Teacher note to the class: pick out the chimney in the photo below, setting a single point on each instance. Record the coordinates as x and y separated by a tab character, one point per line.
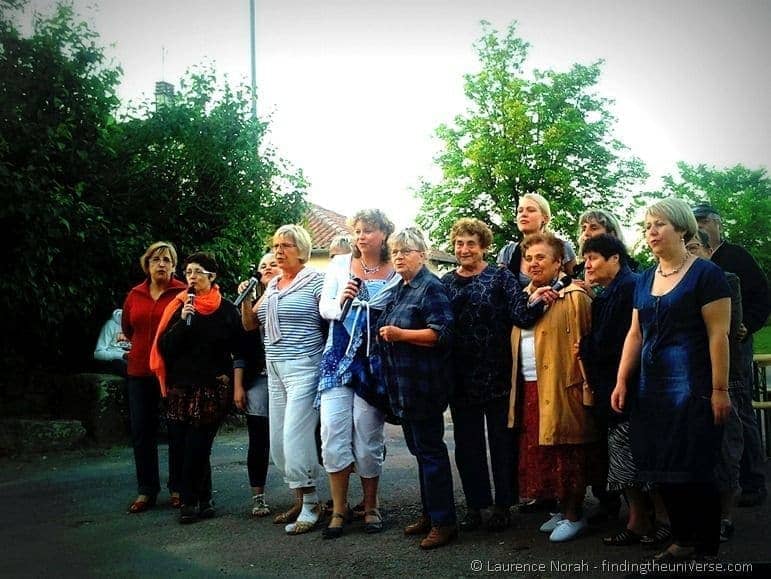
164	94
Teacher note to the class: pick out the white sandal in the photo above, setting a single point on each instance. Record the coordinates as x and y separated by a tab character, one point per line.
259	507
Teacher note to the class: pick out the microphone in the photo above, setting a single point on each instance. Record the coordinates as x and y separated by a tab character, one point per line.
191	300
560	284
253	281
347	303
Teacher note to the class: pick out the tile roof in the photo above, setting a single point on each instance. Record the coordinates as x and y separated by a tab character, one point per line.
324	224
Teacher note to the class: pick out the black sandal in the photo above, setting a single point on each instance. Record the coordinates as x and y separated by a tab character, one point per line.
622	539
374	527
337	532
660	536
499	520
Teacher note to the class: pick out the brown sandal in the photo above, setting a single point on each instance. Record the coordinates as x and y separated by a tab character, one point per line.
289	516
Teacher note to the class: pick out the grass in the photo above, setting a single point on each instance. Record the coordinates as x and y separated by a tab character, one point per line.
762	340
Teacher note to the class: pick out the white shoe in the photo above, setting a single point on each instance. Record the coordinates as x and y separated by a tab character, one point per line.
568	530
552	523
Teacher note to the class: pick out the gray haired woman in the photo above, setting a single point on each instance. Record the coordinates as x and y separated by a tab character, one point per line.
294	340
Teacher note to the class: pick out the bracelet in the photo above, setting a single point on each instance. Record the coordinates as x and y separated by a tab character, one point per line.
720	389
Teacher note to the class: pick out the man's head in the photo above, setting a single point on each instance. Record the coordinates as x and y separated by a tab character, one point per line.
708	219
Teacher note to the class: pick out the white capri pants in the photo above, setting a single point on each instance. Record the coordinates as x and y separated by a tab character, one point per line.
292	386
351	432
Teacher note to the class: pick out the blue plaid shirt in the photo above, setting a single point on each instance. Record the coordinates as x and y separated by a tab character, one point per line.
418	379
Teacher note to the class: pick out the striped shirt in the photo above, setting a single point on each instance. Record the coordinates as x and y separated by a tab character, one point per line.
300	323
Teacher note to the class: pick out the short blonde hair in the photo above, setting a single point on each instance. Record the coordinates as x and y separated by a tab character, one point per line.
678	213
407	238
472	226
153	250
543	205
299	237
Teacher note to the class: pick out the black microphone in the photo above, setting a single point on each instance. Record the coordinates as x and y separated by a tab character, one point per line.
191	300
347	303
560	284
253	281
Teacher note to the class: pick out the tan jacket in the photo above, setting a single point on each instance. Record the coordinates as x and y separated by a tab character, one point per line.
563	418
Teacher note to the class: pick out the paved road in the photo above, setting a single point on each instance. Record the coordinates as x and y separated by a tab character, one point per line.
64	515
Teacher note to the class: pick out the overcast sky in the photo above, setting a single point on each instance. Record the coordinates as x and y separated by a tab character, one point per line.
355	88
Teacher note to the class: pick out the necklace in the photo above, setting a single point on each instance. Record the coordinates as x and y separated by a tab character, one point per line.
367	269
677	269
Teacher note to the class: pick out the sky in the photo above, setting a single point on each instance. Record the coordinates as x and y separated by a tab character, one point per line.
354	89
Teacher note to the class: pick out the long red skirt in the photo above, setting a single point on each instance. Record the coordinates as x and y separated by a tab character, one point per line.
547	472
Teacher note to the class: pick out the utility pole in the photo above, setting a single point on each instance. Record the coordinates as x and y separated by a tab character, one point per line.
254	58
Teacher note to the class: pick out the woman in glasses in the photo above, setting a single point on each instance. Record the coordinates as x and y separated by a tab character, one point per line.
288	312
193	359
142	311
416	338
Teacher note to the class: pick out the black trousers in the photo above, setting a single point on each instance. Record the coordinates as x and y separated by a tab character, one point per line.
143	397
694	511
471	453
192	449
259	449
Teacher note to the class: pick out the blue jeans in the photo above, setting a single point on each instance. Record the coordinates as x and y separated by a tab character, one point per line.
425	440
752	477
143	397
471	452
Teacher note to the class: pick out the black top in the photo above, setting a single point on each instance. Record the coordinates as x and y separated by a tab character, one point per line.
754	285
600	350
485	307
195	355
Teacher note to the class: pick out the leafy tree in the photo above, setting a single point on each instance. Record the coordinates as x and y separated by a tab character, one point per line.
549	134
741	195
197	173
83	192
56	105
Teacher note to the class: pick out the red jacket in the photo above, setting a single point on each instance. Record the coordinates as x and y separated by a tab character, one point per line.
141	315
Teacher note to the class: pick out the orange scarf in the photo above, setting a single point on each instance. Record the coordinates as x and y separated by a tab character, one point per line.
205	304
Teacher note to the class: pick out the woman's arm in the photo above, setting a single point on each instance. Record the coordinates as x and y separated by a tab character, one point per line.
333	292
717	318
425	337
630	360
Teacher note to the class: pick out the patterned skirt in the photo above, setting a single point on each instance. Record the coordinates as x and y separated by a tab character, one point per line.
622	472
199	405
547	472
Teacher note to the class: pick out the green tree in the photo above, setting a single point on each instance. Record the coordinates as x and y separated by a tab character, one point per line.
741	195
56	106
83	192
550	134
198	172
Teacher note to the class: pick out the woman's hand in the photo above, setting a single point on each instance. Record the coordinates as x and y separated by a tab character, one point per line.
350	292
239	397
544	294
391	333
188	309
242	286
721	405
618	398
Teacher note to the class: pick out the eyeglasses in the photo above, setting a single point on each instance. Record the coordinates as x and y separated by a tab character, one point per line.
283	246
192	272
404	252
160	260
693	247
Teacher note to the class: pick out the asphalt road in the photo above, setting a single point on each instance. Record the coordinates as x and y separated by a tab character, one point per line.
64	515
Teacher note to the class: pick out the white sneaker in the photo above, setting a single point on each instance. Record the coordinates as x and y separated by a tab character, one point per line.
552	523
568	530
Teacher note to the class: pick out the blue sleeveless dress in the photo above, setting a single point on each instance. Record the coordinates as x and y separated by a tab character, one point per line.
674	439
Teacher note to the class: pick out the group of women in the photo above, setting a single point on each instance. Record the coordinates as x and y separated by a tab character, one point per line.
617	380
